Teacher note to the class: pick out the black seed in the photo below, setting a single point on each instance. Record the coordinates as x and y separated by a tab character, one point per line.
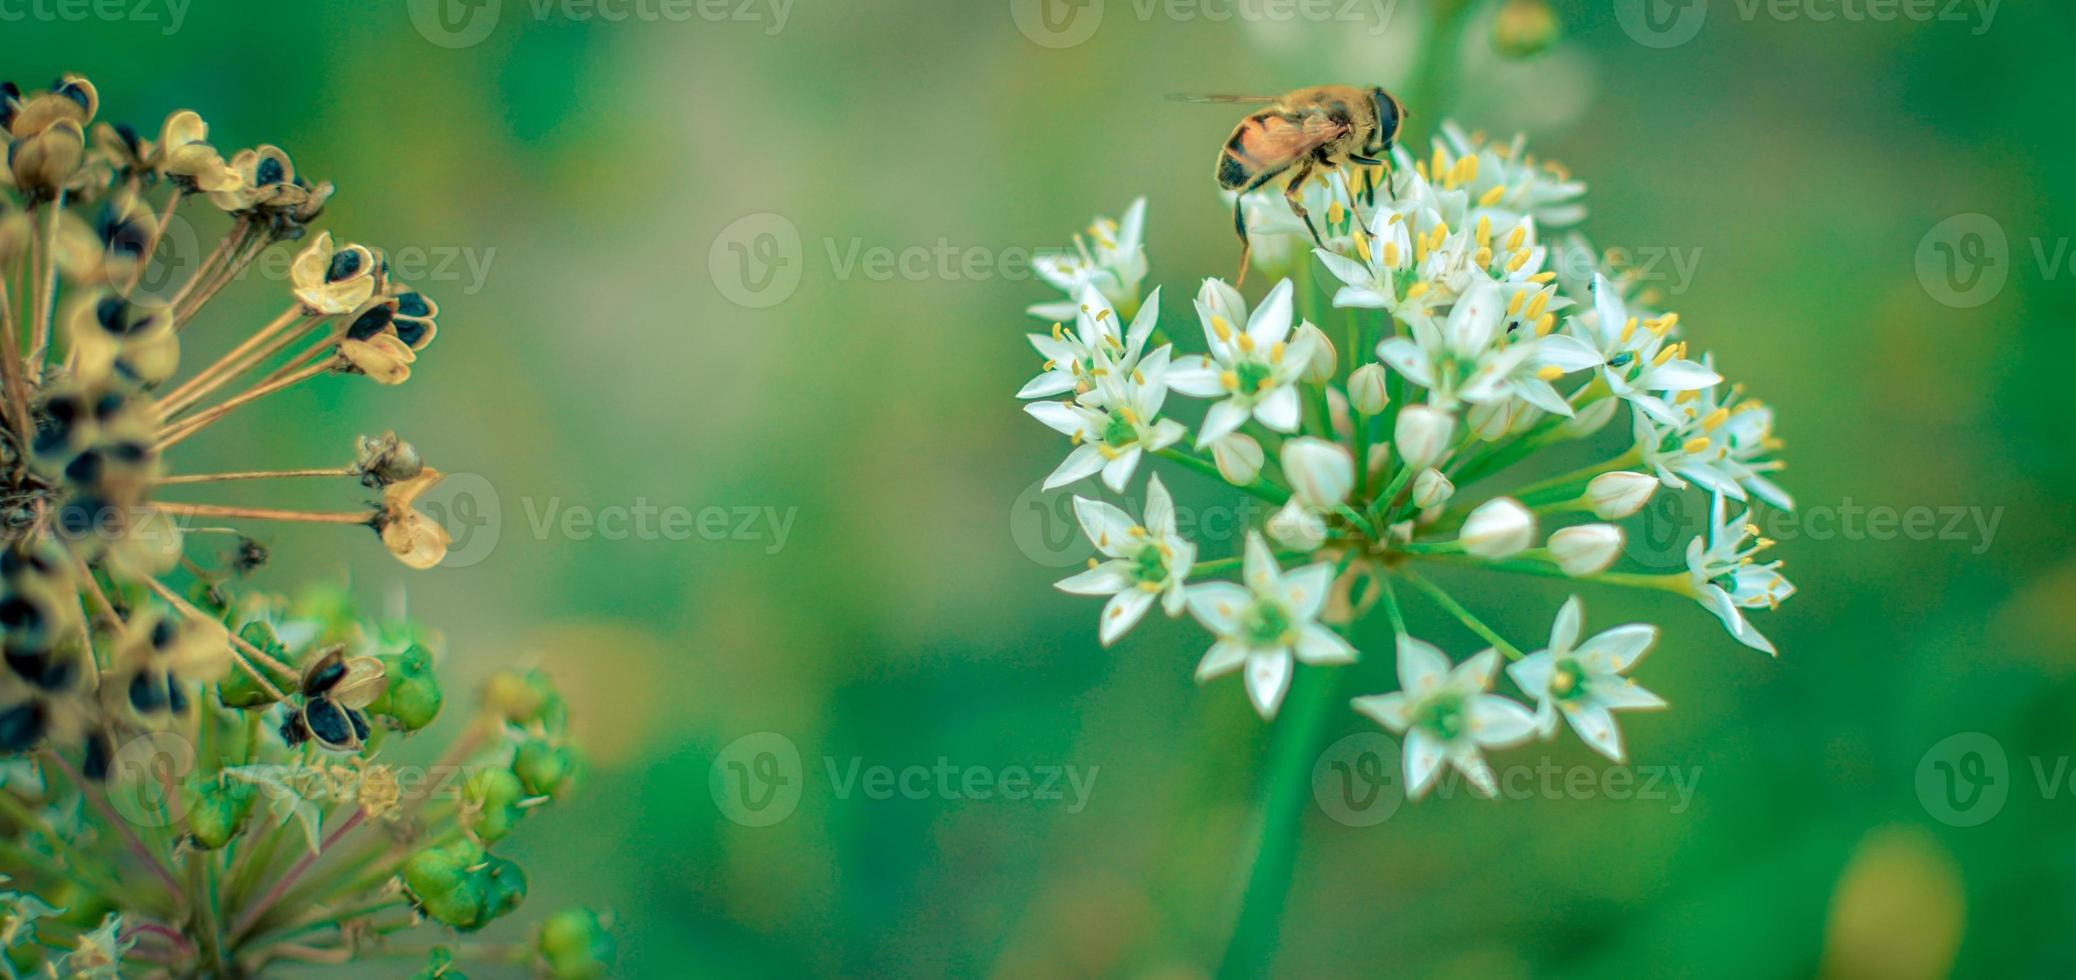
21	727
176	696
412	332
100	753
413	304
108	405
328	723
85	469
74	92
293	731
372	322
269	172
163	633
326	677
146	694
19	615
344	266
360	724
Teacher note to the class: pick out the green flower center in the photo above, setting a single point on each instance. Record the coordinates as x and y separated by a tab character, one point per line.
1267	624
1118	432
1251	374
1568	680
1149	565
1444	715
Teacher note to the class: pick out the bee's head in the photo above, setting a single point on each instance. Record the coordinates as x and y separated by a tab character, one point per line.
1390	114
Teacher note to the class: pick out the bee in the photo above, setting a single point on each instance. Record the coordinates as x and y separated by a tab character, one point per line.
1299	135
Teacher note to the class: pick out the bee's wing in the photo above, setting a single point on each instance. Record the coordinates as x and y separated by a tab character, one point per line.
1224	99
1272	141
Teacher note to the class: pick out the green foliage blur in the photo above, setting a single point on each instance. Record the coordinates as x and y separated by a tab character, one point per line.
1794	164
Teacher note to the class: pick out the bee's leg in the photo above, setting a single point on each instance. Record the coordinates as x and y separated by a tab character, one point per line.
1293	194
1240	229
1369	187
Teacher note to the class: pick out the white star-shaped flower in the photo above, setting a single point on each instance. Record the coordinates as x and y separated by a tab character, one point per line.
1728	581
1145	561
1448	715
1631	354
1584	682
1255	370
1468	358
1111	260
1114	425
1095	347
1267	623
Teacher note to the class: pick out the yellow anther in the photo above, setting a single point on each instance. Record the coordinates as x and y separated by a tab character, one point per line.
1276	353
1229	380
1492	196
1628	331
1396	217
1265	384
1545	276
1138	377
1130	417
1694	445
1092	563
1484	229
1665	356
1103	449
1336	213
1520	259
1223	329
1516	237
1136	531
1049	364
1546	324
1540	303
1148	587
1416	290
1362	247
1058	332
1715	419
1102	314
1246	343
1483	259
1391	254
1514	305
1549	372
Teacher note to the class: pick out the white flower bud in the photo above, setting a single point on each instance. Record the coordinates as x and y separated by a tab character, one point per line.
1366	389
1499	528
1239	458
1297	526
1432	489
1319	368
1424	434
1380	459
1592	418
1587	548
1321	473
1492	421
1616	495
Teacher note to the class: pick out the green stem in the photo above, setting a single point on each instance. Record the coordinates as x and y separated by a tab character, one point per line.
1456	609
1255	930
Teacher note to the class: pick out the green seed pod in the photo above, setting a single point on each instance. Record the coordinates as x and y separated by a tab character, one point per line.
217	812
504	887
575	945
444	887
490	803
237	688
543	768
526	700
412	698
439	965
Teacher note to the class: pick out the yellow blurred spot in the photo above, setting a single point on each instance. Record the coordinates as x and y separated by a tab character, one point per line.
1898	911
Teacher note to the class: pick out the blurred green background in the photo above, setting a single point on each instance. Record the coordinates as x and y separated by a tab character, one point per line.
592	168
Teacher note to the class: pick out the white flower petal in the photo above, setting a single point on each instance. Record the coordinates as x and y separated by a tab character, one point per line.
1122	612
1268	677
1109	578
1319	645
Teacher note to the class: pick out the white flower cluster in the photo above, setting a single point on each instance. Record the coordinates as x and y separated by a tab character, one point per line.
1491	347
